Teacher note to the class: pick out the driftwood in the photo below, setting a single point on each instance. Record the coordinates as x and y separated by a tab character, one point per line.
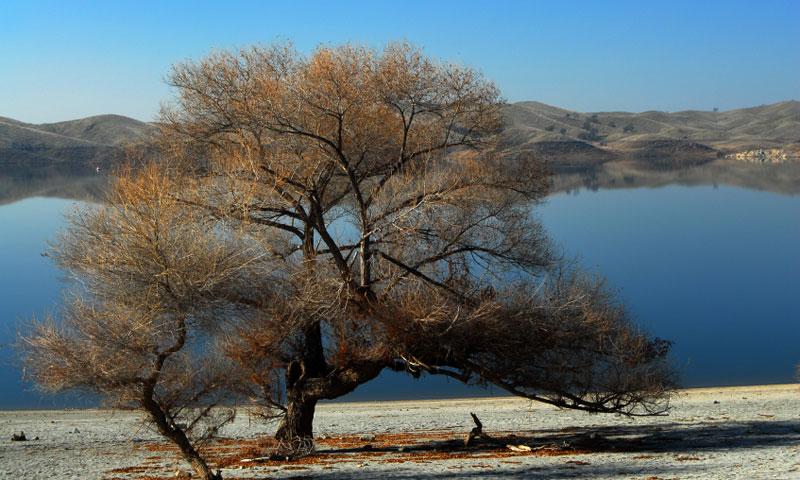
476	433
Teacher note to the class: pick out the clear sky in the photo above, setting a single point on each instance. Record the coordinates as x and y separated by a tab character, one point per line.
65	59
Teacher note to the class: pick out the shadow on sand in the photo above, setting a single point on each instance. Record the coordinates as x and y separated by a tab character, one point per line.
642	442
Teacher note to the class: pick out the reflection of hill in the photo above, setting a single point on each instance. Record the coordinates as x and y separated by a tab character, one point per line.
19	184
61	159
779	178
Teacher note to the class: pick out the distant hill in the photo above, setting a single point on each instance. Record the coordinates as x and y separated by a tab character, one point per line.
75	144
101	129
565	138
576	139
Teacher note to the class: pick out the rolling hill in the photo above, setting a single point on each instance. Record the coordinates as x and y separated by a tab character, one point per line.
569	138
75	144
566	139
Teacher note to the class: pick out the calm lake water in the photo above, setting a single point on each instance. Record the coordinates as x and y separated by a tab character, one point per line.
716	270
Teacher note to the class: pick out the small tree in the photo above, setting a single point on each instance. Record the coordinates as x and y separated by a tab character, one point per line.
155	283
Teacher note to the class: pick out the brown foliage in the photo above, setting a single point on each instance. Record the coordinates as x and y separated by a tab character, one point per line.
411	243
315	220
153	284
571	346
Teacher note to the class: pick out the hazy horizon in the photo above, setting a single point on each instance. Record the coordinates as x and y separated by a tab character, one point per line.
65	60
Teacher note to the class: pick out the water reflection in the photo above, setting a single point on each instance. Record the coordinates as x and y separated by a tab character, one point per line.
781	178
29	286
717	270
80	184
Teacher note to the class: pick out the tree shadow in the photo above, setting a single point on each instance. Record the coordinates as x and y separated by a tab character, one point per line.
558	472
674	437
678	438
684	440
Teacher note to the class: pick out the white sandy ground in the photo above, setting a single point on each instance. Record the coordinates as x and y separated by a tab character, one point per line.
713	433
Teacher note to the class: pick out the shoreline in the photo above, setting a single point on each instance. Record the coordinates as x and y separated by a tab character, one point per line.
768	387
740	432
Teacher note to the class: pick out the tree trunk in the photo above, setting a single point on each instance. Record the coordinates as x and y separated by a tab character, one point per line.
200	466
298	422
179	438
299	419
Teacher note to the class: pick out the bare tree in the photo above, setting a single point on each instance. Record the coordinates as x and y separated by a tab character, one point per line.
410	237
316	220
154	283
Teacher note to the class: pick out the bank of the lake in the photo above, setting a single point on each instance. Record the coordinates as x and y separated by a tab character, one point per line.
732	433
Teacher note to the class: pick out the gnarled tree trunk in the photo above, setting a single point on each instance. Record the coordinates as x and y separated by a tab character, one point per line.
310	379
300	401
298	422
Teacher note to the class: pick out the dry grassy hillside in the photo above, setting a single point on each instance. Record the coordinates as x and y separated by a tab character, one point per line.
83	143
101	129
564	135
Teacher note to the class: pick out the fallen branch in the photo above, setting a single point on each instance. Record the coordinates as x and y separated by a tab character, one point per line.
476	433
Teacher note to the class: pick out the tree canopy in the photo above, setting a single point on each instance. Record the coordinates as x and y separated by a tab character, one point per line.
322	218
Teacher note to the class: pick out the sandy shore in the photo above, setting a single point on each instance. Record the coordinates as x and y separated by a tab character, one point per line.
730	433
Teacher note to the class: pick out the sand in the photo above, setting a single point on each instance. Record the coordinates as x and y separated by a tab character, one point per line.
726	433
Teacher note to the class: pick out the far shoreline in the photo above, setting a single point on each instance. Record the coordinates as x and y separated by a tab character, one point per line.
703	390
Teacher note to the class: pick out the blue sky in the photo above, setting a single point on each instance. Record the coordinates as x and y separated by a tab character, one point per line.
67	59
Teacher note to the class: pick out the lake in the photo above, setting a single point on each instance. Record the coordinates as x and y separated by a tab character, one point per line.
714	269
